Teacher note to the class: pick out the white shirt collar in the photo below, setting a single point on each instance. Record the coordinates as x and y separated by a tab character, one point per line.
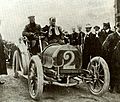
107	30
87	33
96	32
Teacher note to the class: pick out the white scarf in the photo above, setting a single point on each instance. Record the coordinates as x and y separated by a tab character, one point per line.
56	30
96	32
87	34
107	30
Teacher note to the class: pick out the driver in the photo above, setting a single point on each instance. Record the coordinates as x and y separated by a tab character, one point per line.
53	33
31	31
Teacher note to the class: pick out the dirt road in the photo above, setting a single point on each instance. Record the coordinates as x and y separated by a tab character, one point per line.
16	90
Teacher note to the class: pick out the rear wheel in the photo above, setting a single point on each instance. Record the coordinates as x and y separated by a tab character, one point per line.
99	72
35	78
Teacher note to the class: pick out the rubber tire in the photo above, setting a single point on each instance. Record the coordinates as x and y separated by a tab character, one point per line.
15	64
106	77
21	62
39	68
24	64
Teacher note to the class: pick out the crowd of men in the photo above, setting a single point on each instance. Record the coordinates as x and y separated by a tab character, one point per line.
102	42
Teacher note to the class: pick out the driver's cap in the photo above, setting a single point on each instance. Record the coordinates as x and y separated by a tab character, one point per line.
30	17
53	19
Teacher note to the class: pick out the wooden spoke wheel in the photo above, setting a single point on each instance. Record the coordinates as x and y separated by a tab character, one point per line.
35	78
99	72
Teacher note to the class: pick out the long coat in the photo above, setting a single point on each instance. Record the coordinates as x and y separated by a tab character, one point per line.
92	48
109	45
111	49
115	64
36	29
103	35
33	28
3	69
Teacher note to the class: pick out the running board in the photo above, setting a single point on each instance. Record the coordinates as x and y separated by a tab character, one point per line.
21	74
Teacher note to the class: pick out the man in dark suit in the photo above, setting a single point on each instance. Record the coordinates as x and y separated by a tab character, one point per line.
74	38
52	32
105	32
92	46
81	35
97	30
66	37
31	31
109	46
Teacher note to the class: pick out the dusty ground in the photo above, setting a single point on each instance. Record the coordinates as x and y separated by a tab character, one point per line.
16	90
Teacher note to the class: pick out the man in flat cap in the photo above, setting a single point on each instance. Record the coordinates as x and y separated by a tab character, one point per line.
31	31
53	33
92	46
110	46
105	32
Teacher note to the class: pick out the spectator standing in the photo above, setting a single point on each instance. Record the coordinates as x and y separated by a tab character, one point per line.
105	32
3	69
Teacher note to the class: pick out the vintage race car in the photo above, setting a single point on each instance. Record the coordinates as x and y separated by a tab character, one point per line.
59	65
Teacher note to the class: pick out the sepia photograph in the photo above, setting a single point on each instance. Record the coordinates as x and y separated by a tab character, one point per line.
59	51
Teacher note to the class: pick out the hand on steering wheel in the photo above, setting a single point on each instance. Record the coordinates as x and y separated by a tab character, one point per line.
31	33
35	36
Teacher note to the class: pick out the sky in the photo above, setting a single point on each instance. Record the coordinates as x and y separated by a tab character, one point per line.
69	13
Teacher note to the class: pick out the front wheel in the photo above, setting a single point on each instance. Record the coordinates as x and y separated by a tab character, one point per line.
16	64
35	78
99	73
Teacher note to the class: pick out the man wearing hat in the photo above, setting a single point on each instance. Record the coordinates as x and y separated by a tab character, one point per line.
97	28
53	33
66	37
92	46
88	28
109	47
74	37
105	32
31	31
3	68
